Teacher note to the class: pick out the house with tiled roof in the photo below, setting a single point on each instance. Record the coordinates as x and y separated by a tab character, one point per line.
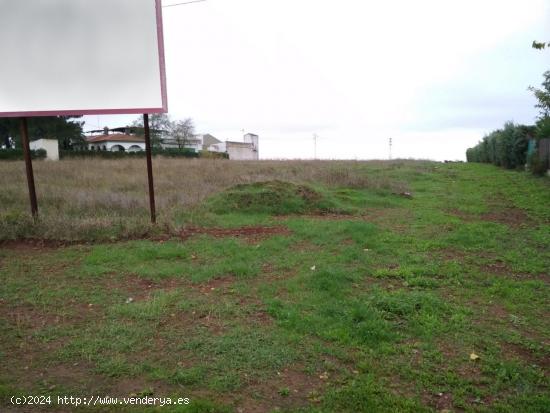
130	139
115	142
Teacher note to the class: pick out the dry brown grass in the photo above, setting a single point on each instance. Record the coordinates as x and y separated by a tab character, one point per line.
95	198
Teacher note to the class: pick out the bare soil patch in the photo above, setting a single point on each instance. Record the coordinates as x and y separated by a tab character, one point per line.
31	318
214	284
327	216
289	388
527	355
497	267
251	233
136	387
439	401
511	216
449	254
26	244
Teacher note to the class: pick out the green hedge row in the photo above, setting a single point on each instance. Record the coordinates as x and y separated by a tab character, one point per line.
174	153
171	153
17	154
505	147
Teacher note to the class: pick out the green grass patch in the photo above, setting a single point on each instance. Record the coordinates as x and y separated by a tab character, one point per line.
272	197
371	301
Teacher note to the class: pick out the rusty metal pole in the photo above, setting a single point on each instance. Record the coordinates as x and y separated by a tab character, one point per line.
149	167
28	164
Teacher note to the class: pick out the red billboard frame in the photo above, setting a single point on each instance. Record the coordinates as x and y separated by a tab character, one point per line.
115	111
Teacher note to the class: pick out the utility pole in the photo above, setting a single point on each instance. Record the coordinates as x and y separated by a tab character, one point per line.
147	134
28	165
314	146
390	148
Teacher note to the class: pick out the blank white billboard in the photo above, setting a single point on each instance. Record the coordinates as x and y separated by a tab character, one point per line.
61	57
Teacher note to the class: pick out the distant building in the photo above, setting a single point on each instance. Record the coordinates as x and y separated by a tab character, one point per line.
239	151
130	139
51	146
207	140
167	142
115	142
217	147
197	143
253	140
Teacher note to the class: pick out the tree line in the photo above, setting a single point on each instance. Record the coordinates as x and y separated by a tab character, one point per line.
161	126
512	146
68	130
506	147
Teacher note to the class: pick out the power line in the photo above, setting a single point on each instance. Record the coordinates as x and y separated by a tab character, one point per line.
185	2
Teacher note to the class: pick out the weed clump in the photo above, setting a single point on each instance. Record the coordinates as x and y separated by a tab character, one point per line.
271	197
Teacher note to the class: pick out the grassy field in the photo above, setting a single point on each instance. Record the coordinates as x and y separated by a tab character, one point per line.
94	199
278	286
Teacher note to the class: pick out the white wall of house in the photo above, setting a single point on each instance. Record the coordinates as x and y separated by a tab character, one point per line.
51	147
217	147
193	144
241	152
116	146
252	139
136	147
207	140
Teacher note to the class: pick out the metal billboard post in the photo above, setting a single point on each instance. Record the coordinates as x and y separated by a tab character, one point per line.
28	164
149	167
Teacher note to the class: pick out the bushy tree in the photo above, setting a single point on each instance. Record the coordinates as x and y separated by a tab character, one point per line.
505	147
543	96
66	129
542	129
508	147
540	45
159	124
182	131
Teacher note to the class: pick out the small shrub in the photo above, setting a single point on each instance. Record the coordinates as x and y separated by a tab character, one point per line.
284	392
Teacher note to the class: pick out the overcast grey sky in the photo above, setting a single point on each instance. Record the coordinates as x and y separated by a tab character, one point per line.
434	75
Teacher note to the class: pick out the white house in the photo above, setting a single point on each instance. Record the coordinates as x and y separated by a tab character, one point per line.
128	139
197	143
240	151
253	141
51	146
116	142
172	143
207	140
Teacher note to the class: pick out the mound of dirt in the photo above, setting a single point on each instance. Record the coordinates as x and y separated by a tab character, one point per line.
271	197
